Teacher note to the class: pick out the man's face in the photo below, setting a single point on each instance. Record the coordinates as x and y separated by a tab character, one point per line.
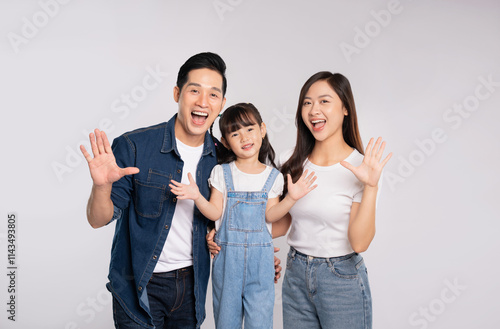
200	102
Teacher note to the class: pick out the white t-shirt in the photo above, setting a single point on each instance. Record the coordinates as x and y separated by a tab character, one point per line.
178	249
244	182
321	218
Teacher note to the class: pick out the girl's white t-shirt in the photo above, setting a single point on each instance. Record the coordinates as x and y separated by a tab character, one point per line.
321	218
244	182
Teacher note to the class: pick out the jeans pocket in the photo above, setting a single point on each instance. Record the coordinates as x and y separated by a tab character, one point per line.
345	269
149	198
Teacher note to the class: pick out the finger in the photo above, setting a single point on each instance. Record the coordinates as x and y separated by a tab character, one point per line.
387	158
304	174
348	165
176	183
376	146
276	249
289	179
100	144
210	235
378	156
310	175
313	187
105	140
85	153
312	181
93	145
369	147
129	171
191	180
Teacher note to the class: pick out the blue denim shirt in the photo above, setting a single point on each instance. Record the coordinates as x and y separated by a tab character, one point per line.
144	207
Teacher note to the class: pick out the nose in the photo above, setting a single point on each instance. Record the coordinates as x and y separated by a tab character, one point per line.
202	100
315	109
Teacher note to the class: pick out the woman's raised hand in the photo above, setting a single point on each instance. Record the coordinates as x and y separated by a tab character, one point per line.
371	168
302	186
103	168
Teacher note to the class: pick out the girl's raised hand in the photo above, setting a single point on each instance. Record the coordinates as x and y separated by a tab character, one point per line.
370	170
184	191
302	186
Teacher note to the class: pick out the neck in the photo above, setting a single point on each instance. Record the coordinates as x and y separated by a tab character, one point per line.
250	165
190	140
330	151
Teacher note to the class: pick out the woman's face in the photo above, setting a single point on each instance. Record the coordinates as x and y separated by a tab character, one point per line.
323	111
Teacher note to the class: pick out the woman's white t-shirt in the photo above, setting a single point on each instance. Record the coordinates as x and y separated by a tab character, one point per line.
244	182
321	218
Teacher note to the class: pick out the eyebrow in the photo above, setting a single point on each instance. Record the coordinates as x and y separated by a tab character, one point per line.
198	85
326	95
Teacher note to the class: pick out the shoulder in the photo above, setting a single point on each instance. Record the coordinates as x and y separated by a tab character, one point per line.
355	158
145	132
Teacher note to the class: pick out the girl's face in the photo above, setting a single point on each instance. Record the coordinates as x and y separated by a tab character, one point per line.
246	141
323	111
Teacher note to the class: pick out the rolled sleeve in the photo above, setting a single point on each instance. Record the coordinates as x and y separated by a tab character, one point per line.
124	153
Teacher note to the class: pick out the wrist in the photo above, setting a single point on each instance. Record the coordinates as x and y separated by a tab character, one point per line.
289	199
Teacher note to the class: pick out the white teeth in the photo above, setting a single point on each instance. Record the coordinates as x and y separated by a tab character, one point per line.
201	114
318	121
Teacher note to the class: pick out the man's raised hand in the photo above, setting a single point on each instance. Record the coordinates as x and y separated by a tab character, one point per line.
103	168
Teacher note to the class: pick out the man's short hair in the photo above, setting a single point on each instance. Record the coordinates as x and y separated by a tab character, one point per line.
203	61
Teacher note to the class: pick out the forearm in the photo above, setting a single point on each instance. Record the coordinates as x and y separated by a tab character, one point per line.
279	210
100	207
209	210
280	227
362	226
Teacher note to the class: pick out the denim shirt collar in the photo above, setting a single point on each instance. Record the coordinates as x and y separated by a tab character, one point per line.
169	143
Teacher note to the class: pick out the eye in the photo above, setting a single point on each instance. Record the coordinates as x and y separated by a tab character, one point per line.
215	95
324	101
250	128
306	103
194	91
234	135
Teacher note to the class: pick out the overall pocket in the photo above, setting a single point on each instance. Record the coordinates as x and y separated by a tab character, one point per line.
247	216
149	198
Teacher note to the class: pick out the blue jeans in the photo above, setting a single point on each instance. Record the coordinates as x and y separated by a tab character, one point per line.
171	301
326	293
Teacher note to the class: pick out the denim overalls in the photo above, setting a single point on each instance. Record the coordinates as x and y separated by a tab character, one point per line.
243	271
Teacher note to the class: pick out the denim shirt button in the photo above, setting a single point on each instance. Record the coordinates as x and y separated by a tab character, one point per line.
154	257
178	171
174	199
140	288
166	227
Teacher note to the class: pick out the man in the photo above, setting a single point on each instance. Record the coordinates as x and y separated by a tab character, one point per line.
159	261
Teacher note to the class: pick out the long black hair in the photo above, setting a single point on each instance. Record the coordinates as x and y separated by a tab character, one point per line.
235	117
305	139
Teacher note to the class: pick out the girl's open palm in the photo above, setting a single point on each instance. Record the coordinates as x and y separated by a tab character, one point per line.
103	167
302	186
184	191
370	169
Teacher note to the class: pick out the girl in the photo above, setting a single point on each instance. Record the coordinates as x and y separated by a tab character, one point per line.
246	191
326	283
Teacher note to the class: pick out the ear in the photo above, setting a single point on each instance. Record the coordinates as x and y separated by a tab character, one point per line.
345	112
263	130
225	143
177	94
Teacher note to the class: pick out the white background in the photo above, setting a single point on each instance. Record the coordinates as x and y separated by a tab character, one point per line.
412	64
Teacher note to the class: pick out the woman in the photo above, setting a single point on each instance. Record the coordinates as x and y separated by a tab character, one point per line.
326	283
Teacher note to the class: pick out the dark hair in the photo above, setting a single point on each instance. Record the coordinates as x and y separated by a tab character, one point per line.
305	140
243	115
202	61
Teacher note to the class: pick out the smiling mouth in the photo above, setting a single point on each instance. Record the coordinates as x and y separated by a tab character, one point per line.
247	146
199	118
318	124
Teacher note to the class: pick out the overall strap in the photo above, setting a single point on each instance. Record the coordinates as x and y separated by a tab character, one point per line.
228	177
270	180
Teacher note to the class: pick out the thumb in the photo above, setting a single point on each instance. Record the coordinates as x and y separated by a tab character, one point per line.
191	180
348	165
129	171
289	179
